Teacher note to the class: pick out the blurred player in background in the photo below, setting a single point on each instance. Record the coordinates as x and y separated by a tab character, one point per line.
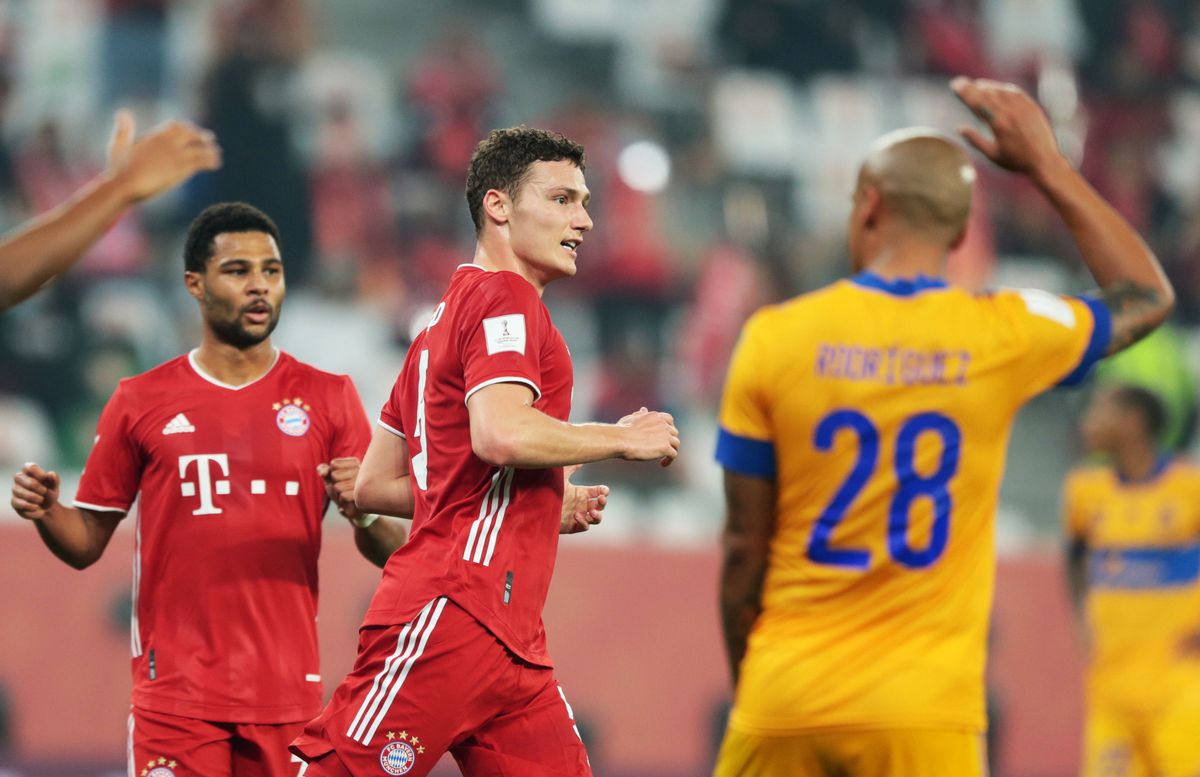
473	442
863	432
47	246
1133	563
235	450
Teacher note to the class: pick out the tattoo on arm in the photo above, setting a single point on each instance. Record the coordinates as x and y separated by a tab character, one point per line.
1136	311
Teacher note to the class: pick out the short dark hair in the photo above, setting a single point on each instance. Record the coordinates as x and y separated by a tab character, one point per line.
217	220
1146	404
502	159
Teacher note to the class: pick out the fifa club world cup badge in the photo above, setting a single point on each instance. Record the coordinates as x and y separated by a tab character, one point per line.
291	416
159	767
399	755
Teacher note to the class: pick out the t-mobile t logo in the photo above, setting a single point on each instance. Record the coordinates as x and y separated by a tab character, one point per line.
204	479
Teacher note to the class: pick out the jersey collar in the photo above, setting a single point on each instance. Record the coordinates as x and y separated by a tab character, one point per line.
1160	466
898	287
195	365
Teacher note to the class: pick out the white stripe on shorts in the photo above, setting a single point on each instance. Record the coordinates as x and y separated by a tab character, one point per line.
409	647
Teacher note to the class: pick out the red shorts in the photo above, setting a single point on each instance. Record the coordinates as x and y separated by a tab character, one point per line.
162	745
443	683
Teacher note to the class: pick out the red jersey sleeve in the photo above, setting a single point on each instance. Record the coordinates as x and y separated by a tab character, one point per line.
113	473
501	336
391	417
353	434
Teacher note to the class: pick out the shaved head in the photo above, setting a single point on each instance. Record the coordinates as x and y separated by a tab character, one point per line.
924	179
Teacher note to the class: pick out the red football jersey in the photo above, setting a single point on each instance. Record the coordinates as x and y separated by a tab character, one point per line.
228	531
483	536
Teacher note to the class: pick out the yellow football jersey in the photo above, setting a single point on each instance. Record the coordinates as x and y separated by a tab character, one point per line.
1143	583
882	408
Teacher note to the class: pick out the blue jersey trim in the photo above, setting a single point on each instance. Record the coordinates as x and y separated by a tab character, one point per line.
745	455
1144	567
1097	346
1160	466
898	287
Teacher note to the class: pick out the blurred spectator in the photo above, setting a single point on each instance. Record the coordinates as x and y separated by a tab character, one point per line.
248	104
134	51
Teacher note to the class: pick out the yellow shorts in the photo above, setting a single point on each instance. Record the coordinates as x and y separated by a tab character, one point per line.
1123	745
883	753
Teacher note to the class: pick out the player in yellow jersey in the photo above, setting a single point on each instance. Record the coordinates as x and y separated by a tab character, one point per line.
1134	558
863	433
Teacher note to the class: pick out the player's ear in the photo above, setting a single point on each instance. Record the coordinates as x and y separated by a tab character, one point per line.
194	283
497	206
872	206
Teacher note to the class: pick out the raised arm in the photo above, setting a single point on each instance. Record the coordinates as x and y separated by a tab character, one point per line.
75	535
48	245
745	546
1132	282
507	431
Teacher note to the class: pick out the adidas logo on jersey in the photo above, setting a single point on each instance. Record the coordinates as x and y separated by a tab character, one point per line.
178	424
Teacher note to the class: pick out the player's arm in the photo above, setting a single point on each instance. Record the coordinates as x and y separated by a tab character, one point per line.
48	245
376	535
77	536
1076	563
1132	282
508	431
745	545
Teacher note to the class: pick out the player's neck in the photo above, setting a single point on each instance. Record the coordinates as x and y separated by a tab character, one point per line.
1136	461
907	259
235	366
493	255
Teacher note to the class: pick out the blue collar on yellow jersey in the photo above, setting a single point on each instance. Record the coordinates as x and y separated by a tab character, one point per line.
1160	466
900	287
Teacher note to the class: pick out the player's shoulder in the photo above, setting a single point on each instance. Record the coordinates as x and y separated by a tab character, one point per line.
314	375
1087	477
1187	468
165	377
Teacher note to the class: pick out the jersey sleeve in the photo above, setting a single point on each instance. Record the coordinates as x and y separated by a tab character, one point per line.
1062	337
353	434
113	473
500	337
745	438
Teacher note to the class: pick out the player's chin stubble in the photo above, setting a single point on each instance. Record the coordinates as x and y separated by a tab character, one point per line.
226	324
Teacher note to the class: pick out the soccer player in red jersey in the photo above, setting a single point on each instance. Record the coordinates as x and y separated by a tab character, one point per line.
472	443
235	449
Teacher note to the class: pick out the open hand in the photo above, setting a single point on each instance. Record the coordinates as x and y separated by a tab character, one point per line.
162	160
582	505
1023	140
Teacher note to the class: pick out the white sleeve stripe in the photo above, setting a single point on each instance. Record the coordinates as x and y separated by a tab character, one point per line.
537	392
391	429
100	508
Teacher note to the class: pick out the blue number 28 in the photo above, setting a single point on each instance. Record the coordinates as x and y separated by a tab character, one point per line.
911	486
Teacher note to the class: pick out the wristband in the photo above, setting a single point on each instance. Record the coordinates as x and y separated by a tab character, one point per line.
363	521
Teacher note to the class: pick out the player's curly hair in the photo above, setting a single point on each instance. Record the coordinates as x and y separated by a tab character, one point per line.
217	220
501	161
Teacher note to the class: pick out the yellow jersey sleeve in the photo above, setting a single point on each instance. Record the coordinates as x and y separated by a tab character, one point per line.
1061	337
745	438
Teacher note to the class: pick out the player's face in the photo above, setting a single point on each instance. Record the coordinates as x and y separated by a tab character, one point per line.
1105	423
548	219
241	289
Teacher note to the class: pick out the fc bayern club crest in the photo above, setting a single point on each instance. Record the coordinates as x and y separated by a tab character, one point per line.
292	417
161	771
397	758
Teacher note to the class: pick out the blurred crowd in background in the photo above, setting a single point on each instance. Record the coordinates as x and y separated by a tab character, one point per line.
722	136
